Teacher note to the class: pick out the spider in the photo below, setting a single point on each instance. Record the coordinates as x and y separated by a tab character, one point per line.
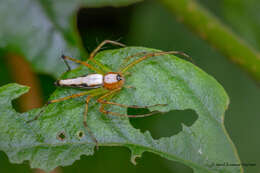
103	78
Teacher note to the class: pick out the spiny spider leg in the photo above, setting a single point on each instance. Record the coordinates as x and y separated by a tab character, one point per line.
128	106
62	99
131	56
85	121
66	63
94	52
149	56
143	53
38	115
111	93
81	62
101	109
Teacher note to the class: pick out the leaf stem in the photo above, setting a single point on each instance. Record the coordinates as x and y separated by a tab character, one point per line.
209	27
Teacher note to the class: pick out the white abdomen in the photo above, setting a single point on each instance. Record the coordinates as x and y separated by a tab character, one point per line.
85	81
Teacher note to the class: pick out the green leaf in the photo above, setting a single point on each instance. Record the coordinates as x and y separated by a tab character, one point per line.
163	79
42	30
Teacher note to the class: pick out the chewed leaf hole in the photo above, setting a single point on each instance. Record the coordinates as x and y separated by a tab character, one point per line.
61	136
80	134
162	125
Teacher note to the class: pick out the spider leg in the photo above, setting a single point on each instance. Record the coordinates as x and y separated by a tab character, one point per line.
130	87
149	56
101	109
94	52
85	121
65	98
66	63
111	93
65	58
70	97
128	106
131	56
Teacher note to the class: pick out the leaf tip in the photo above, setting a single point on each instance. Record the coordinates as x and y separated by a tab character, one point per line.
13	90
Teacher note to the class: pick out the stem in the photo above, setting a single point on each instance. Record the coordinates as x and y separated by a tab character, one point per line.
217	34
23	74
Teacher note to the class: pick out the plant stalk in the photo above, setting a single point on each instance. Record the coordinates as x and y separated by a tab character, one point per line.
210	28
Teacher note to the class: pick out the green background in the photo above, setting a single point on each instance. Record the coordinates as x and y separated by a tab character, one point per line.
150	24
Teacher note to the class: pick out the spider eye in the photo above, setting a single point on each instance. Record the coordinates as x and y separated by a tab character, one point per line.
118	77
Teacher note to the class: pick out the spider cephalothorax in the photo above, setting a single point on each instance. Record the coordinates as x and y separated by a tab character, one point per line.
113	80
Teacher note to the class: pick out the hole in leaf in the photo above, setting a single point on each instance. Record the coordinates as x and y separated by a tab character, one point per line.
6	166
162	125
80	134
61	136
28	101
169	165
16	105
110	156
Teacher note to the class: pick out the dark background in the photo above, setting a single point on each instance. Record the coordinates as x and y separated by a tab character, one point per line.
150	24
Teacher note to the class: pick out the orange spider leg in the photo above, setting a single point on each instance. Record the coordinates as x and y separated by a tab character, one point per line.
129	106
81	62
101	109
149	56
66	98
85	121
131	56
94	52
111	93
143	53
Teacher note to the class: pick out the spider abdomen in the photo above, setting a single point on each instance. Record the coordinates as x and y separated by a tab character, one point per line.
88	81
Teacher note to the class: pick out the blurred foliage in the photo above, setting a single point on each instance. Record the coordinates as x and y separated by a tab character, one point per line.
149	24
42	30
47	36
